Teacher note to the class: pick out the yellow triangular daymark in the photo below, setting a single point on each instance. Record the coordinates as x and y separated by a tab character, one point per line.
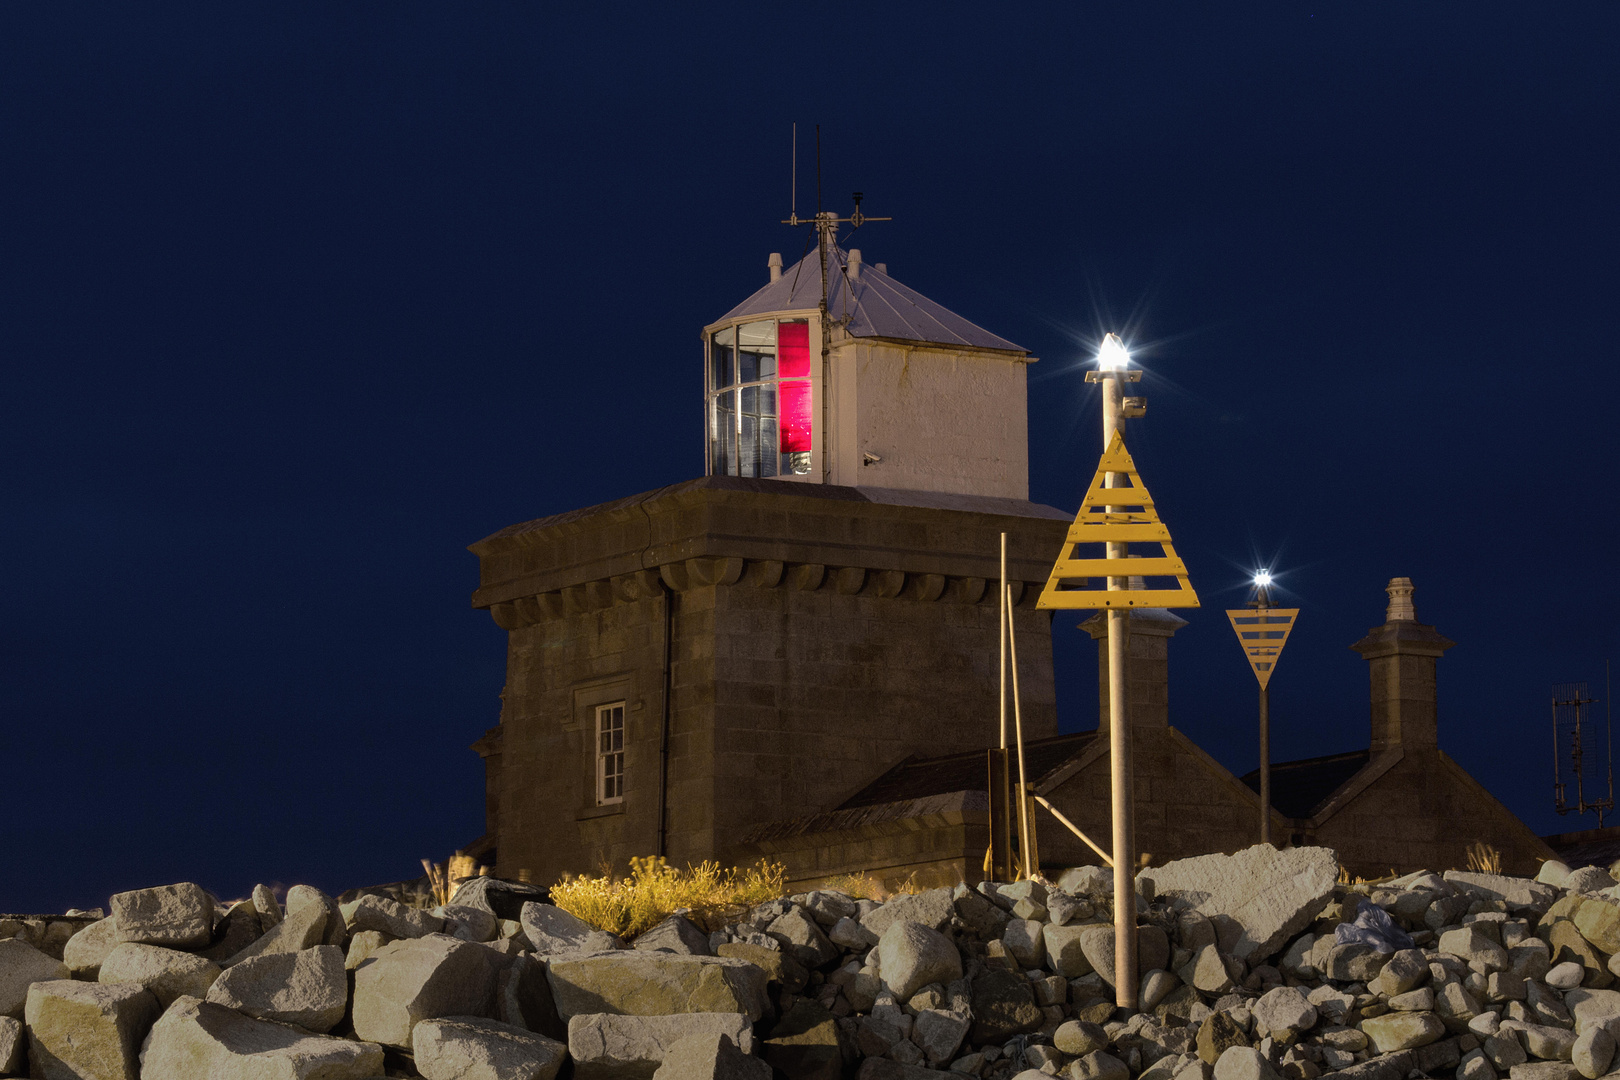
1116	515
1262	632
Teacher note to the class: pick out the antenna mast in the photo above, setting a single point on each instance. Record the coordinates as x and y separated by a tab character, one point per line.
1570	703
826	223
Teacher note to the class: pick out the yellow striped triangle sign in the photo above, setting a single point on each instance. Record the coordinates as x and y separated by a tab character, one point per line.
1123	514
1263	632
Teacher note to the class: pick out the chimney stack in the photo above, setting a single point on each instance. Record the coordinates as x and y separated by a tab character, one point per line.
1400	656
854	264
1147	664
775	263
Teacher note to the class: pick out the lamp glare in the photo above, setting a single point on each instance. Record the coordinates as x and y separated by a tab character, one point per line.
1113	355
1262	578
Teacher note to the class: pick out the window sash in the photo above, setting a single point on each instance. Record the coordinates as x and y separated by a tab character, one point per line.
610	753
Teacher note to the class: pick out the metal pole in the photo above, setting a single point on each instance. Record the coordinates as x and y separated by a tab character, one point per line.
1025	842
1265	765
1003	813
1119	738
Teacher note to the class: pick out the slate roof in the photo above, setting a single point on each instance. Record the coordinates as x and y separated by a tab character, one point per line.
1299	787
1589	847
876	305
917	778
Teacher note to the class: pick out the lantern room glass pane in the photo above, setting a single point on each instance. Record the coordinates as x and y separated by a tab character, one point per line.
723	434
793	348
722	352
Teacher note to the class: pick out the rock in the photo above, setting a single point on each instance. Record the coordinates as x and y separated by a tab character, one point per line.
939	1032
1152	949
1244	1063
1588	879
475	1048
394	918
877	1068
1078	1038
1270	895
1065	950
13	1047
806	1044
1354	963
523	997
181	916
910	956
656	984
1455	1006
1567	944
86	949
1599	923
932	909
240	928
555	932
1406	970
797	931
675	934
1565	976
1155	986
1519	894
335	932
405	982
82	1029
362	945
195	1039
1505	1050
1088	881
852	935
1023	941
828	906
1593	1053
1547	1043
1472	944
1208	971
1476	1066
1544	1070
308	988
779	967
984	918
710	1057
1216	1035
1062	909
300	930
502	899
1419	1000
1592	1008
1003	1006
22	965
1553	873
167	973
1283	1014
269	911
1096	1065
1402	1031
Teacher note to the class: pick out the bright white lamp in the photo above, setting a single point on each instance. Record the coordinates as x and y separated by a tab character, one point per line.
1113	355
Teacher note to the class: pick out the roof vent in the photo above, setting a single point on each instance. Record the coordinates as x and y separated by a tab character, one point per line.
775	263
882	268
854	264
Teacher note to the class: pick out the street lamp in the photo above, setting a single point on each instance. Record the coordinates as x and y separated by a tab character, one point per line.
1263	630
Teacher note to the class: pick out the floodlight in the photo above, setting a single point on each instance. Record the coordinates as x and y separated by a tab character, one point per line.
1262	579
1113	355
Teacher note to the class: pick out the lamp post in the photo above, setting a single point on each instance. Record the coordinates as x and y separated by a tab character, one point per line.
1262	601
1263	630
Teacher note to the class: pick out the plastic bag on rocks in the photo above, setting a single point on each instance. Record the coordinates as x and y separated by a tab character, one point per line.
1373	927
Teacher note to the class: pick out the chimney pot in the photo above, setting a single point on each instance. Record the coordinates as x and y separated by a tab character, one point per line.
775	263
854	264
1401	608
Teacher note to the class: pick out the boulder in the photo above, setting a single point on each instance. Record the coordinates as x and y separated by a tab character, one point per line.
391	917
474	1048
1078	1038
22	965
167	973
710	1057
1593	1008
240	927
335	931
1588	879
1271	895
932	909
877	1068
779	967
13	1046
1566	944
1544	1070
1283	1014
1152	949
362	945
806	1044
910	956
554	932
1474	945
82	1029
1022	939
850	934
1003	1006
309	988
86	949
523	997
195	1039
1593	1053
269	910
676	934
1218	1034
656	984
181	916
982	917
300	930
798	932
612	1046
502	899
1096	1065
938	1033
1065	951
1089	881
1402	1031
1244	1063
1520	894
828	906
1599	923
1547	1043
405	982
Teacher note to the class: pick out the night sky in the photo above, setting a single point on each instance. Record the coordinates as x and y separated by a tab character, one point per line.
298	300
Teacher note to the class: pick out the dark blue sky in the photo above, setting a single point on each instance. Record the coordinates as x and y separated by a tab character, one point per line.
298	300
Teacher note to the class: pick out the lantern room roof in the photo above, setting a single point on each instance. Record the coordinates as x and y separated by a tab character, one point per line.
876	306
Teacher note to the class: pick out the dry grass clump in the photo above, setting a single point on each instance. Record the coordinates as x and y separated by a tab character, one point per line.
1484	859
655	890
442	877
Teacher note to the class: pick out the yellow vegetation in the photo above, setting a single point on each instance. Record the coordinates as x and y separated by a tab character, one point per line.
443	877
655	890
1484	859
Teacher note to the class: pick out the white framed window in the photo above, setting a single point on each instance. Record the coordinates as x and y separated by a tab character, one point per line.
759	399
610	753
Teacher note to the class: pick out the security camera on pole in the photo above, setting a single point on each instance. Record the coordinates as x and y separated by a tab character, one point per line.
1116	512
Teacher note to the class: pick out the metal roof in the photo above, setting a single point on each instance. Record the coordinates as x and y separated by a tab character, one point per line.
876	305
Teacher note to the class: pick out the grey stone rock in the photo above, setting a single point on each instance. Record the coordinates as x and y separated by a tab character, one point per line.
264	902
1565	976
675	934
797	931
167	973
555	932
1283	1014
1404	971
1155	986
932	909
1518	893
850	934
807	1042
1078	1038
1152	949
308	988
393	918
1217	1034
303	929
22	965
1003	1004
1587	879
1472	944
1593	1008
82	1029
13	1046
467	923
86	949
523	997
1354	963
1476	1066
1097	1065
910	956
1593	1052
408	981
476	1048
780	968
1244	1063
1023	941
1065	949
985	919
1207	971
240	927
1419	1000
1270	895
1505	1050
1547	1043
180	916
1544	1070
195	1039
712	1056
656	984
1062	909
361	945
1402	1031
827	906
502	899
938	1033
335	931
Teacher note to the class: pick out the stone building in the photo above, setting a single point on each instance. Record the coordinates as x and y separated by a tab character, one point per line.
794	655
